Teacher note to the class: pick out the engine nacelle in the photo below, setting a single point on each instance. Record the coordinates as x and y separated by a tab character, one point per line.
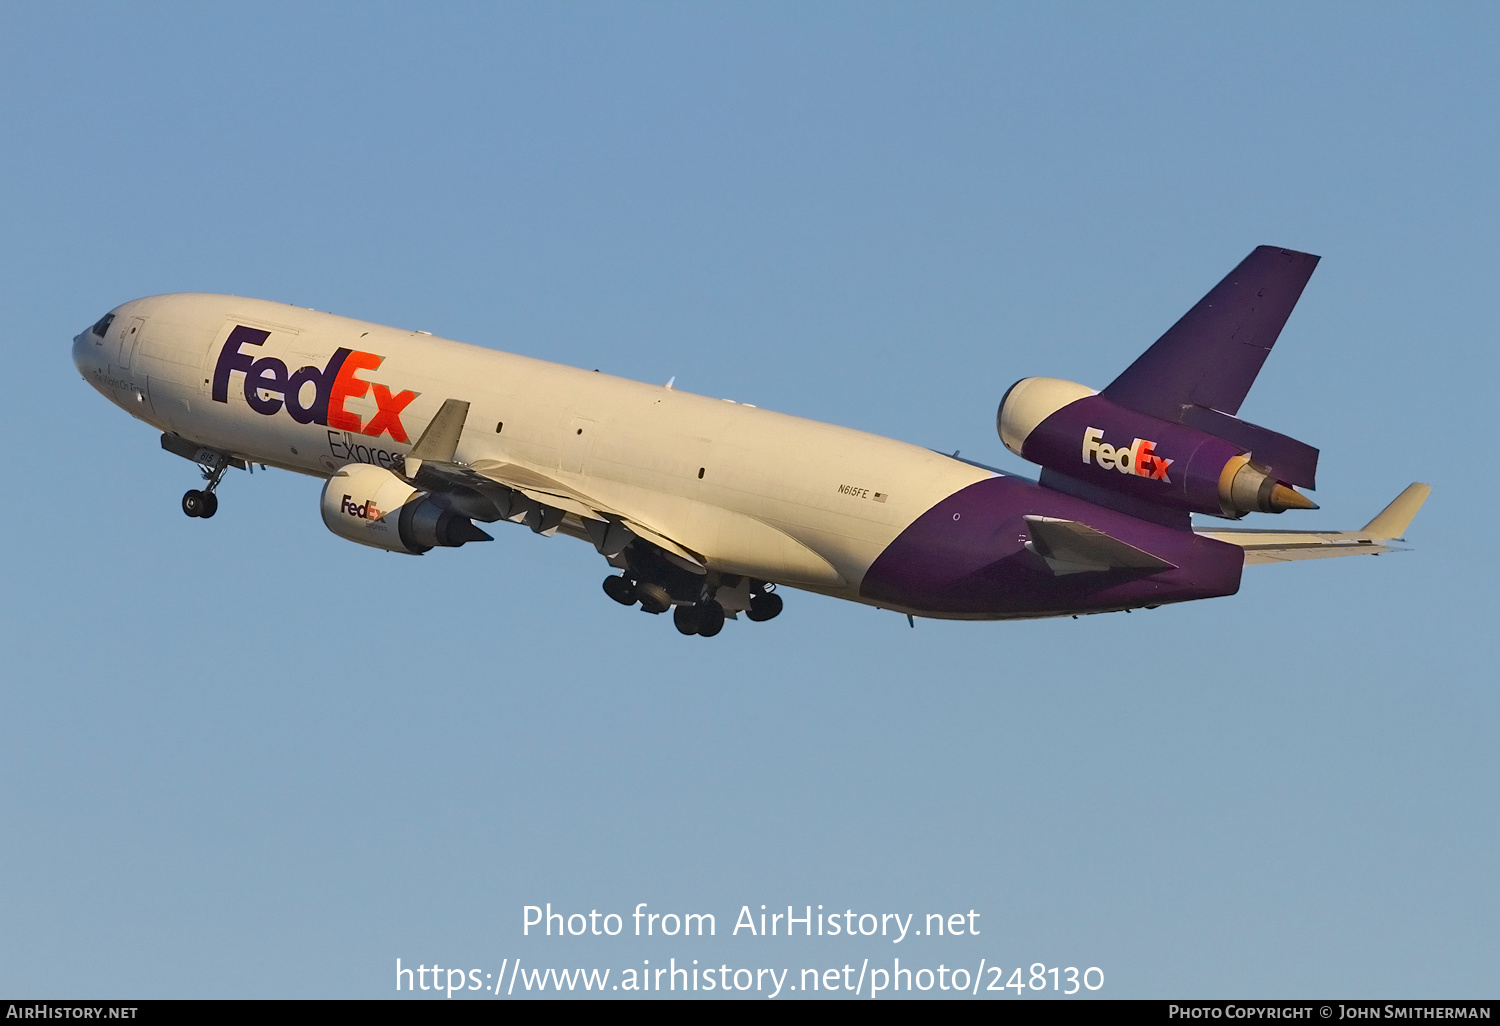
373	506
1071	429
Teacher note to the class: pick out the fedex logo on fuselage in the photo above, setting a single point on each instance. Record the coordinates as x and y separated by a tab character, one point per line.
332	385
1138	459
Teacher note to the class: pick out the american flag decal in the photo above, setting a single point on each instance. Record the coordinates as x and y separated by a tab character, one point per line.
880	496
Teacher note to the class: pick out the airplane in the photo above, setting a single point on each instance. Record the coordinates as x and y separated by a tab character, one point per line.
705	506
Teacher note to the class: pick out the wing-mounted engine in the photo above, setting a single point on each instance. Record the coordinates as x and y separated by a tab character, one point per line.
1072	430
372	506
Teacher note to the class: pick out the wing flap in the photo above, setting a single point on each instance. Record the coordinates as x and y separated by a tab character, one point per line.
541	488
695	536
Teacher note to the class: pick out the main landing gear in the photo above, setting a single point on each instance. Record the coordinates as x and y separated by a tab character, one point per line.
704	617
764	604
621	590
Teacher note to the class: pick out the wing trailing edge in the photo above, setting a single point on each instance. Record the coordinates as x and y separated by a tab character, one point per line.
691	535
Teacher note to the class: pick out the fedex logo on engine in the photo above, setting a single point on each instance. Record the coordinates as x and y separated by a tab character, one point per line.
270	387
362	510
1138	459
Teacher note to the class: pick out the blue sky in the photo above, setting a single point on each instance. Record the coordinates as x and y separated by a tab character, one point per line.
246	758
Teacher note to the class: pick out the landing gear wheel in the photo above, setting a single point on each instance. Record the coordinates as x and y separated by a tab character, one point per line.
621	590
653	597
765	606
686	619
710	618
210	505
193	504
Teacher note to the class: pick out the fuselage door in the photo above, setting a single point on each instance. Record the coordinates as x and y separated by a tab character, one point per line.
130	335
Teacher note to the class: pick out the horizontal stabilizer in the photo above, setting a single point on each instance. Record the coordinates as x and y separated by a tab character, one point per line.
1288	546
1393	521
1073	548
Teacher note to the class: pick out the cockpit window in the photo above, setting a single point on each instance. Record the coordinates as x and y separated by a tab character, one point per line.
103	325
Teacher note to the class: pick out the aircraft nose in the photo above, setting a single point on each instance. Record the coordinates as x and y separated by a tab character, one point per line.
88	345
84	347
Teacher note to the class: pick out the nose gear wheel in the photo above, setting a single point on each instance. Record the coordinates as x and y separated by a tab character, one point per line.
204	504
200	504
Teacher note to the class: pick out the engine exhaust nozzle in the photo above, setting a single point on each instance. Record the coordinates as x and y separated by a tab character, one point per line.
1247	487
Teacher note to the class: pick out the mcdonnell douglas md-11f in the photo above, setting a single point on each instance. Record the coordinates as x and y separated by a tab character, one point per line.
704	506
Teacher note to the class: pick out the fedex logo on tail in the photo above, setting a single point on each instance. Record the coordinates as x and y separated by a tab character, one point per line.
1138	459
332	384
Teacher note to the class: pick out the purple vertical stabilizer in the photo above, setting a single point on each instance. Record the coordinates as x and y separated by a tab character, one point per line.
1211	356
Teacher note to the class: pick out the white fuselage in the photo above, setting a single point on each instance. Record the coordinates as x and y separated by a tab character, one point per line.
764	494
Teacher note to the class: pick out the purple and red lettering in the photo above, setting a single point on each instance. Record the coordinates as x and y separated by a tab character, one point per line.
270	387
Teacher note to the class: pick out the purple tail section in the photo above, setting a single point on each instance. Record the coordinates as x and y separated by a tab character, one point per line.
1200	371
1211	356
967	557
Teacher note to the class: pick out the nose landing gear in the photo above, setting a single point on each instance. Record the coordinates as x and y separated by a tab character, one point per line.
200	504
205	503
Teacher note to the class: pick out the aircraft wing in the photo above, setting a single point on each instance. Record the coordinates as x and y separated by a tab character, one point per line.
543	499
1372	540
543	489
595	514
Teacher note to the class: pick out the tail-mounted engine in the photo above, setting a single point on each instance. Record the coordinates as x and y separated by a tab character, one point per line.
372	506
1069	428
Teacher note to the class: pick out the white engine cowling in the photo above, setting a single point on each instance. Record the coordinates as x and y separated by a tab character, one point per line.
1029	402
372	506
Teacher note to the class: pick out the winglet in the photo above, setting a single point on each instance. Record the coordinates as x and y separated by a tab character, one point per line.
439	440
1393	521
